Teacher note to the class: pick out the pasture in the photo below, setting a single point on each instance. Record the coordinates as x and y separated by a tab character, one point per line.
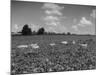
52	55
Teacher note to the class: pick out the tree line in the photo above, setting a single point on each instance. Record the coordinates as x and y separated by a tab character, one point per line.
27	31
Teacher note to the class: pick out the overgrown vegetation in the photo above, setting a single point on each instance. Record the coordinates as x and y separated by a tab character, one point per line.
41	31
52	58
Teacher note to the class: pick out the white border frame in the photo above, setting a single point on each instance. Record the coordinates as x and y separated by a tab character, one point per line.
5	37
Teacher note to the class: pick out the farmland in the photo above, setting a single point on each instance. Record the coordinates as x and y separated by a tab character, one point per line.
46	58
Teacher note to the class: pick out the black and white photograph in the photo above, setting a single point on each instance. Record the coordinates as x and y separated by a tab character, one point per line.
52	37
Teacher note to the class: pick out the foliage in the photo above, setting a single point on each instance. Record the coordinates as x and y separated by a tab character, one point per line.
26	30
52	59
41	31
68	33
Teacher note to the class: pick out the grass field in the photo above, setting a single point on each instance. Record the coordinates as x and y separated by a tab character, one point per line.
46	58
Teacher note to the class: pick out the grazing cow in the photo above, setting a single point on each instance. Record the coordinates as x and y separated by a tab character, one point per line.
73	42
64	42
22	46
52	44
35	46
83	45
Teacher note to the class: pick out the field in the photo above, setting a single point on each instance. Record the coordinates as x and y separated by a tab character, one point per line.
46	58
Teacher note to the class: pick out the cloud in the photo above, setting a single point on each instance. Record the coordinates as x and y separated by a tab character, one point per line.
53	23
57	29
51	18
34	27
52	9
84	22
75	27
49	29
51	12
93	14
16	26
52	6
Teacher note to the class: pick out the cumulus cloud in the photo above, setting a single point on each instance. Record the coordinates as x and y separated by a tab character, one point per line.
16	26
93	14
53	13
75	27
57	29
51	29
52	6
52	9
53	17
34	27
52	23
52	20
84	22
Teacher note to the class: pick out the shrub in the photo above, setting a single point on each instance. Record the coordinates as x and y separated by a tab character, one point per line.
26	30
41	31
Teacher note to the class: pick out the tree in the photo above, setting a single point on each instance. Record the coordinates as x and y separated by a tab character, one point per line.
41	31
68	33
34	32
26	30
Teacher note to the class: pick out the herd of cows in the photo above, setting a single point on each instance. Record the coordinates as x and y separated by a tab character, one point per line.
40	54
35	46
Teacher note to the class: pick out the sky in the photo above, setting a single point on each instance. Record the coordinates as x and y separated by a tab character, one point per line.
54	17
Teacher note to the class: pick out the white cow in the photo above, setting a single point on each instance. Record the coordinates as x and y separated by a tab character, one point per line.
22	46
64	42
83	45
73	42
35	46
52	44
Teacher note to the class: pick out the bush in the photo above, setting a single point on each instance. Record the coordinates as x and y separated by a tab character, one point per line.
68	33
41	31
26	30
